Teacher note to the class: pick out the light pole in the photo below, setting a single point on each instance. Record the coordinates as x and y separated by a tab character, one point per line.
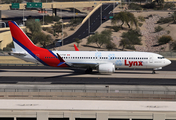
113	8
101	14
62	26
43	15
89	24
74	10
23	16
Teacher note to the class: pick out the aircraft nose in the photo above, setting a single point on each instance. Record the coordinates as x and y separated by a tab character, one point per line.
167	62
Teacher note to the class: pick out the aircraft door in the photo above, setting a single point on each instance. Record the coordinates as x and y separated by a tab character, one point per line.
151	59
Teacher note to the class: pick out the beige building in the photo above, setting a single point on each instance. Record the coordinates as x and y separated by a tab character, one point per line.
5	39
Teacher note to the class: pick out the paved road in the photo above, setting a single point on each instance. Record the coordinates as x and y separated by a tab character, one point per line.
94	21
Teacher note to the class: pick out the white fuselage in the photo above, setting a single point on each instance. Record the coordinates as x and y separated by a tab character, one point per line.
119	59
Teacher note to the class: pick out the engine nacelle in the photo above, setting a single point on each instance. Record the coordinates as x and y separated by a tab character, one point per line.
106	68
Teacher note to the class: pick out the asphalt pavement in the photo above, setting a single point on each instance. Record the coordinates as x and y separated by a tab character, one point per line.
94	22
15	74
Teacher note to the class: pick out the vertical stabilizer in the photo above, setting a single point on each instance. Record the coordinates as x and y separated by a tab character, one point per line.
21	41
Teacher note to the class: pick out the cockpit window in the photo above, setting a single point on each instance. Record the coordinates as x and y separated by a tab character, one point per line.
160	57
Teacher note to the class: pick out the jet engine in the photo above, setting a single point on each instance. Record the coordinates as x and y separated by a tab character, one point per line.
106	68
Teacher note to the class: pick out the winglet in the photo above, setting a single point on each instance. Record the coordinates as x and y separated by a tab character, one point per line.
76	49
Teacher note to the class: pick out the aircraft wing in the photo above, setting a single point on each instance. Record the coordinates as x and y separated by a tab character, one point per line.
77	64
83	65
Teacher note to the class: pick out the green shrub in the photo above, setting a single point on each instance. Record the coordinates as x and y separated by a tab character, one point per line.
168	32
173	45
76	21
50	19
9	47
134	6
110	46
56	18
158	29
169	5
140	24
72	28
165	20
131	47
141	18
116	28
130	38
44	28
149	16
164	39
50	30
149	5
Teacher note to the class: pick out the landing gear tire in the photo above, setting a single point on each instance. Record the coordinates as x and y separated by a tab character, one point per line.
88	70
153	72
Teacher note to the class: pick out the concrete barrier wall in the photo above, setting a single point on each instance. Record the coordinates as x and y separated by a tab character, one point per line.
86	96
91	13
98	115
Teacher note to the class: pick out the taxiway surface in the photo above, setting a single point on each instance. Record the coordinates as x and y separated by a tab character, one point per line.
66	76
49	75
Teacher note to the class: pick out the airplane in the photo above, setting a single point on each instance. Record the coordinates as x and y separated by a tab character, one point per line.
76	48
102	61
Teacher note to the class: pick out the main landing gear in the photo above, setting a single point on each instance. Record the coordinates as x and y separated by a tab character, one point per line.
88	70
153	72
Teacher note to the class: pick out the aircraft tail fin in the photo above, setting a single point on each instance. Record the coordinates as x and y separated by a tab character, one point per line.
21	41
76	49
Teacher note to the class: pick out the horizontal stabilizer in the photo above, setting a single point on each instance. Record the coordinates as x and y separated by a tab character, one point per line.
19	53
